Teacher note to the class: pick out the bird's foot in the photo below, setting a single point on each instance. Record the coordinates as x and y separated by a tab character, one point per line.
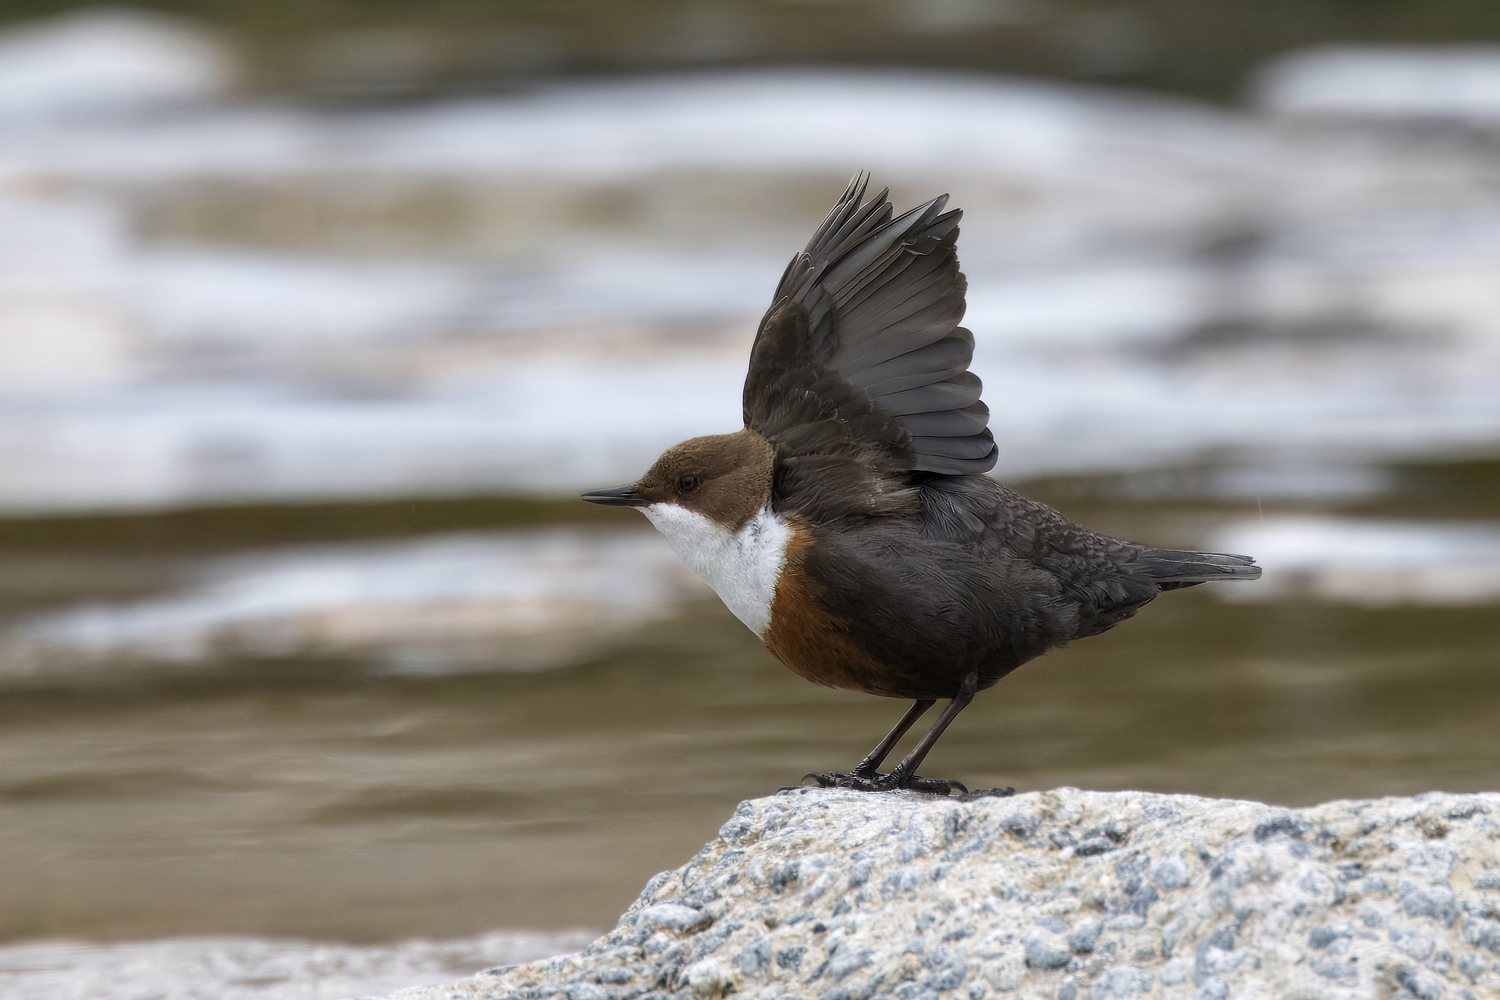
871	782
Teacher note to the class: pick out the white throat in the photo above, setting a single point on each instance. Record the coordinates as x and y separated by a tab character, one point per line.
741	566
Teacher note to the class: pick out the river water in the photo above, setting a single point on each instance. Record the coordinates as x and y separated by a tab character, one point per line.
303	636
326	792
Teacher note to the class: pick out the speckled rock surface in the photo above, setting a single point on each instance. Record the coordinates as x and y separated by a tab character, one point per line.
1063	895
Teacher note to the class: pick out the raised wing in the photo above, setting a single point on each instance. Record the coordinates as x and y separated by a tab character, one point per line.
861	351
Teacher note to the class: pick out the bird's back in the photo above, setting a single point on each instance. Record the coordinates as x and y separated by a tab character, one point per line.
1104	579
986	576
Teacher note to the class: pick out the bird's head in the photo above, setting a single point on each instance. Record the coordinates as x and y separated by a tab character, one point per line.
724	477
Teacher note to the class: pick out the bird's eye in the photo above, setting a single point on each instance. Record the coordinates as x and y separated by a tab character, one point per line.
688	482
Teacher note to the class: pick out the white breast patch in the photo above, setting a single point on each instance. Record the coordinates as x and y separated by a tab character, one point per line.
742	566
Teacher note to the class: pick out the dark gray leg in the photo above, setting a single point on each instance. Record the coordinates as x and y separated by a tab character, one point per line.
904	774
868	767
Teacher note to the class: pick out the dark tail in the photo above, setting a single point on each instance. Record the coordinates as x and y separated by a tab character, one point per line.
1173	569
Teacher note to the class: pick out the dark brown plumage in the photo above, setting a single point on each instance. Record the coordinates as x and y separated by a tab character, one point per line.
850	523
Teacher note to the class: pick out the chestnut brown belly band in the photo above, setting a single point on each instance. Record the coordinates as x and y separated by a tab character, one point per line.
815	643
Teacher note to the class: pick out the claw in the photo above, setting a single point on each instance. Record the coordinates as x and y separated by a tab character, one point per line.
885	782
942	786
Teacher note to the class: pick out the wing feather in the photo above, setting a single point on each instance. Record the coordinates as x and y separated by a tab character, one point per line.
935	363
971	448
955	394
949	423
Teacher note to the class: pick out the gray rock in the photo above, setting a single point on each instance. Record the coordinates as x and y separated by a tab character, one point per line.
1434	902
1170	874
753	958
838	895
1084	937
1413	943
1121	982
1045	950
671	917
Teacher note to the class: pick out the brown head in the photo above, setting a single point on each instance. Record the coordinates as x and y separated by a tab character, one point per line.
725	477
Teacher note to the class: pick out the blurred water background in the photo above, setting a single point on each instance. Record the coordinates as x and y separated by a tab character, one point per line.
315	317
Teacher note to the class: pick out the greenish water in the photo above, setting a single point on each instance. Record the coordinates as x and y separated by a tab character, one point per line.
328	800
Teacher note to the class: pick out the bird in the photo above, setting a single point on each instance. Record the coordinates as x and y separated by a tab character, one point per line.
851	524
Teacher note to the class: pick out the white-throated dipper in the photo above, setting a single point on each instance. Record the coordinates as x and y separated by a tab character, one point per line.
850	523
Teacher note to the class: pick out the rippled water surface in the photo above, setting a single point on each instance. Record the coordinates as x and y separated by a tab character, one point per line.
351	797
284	653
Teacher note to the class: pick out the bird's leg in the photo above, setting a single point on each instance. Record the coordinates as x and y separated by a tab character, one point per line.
870	766
904	774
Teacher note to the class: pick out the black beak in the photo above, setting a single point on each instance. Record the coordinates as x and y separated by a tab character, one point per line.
620	496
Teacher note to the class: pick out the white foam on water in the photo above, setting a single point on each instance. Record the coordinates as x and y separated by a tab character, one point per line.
1361	319
1460	82
748	121
512	600
1369	563
536	599
284	307
361	380
107	61
552	426
246	968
